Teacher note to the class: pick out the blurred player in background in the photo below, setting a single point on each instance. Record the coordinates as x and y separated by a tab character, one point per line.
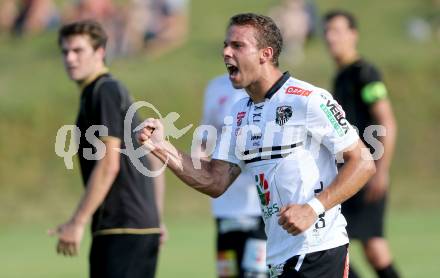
168	26
294	21
124	205
26	17
359	88
241	240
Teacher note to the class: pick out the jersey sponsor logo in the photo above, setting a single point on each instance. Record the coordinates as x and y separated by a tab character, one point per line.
283	114
264	194
240	116
256	136
336	116
276	270
292	90
263	189
256	117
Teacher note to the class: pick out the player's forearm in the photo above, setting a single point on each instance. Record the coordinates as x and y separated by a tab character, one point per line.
204	180
100	182
355	173
389	141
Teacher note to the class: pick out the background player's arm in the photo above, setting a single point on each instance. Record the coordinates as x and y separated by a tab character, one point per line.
213	177
101	179
374	94
159	191
383	114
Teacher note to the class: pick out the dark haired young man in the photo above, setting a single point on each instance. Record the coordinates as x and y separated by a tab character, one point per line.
286	135
359	88
123	204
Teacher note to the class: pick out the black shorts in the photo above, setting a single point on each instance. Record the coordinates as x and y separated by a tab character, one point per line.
241	250
365	220
331	263
124	256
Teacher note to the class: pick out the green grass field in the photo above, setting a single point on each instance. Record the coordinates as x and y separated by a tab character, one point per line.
28	252
36	99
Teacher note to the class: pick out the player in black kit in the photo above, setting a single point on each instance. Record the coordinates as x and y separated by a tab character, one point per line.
123	204
359	89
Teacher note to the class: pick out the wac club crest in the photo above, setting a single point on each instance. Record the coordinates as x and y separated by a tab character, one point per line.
283	114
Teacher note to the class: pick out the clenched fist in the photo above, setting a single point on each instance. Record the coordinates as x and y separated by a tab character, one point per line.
150	133
295	219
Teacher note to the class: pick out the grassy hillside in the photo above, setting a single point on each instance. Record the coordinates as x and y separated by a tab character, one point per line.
36	99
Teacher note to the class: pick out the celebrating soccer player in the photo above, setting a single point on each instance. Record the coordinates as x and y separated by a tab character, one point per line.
286	135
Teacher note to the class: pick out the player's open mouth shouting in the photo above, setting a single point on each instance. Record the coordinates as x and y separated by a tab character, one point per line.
232	70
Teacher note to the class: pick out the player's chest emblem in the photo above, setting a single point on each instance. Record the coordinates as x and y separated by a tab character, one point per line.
240	116
283	114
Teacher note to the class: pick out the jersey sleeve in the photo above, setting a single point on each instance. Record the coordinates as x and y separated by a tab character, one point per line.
326	123
373	88
108	108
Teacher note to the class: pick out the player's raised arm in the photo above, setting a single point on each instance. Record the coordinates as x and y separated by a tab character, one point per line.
213	177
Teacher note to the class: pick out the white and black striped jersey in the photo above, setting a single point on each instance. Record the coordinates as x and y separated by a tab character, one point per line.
288	144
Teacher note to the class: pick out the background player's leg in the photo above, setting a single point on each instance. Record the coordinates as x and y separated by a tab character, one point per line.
143	257
378	255
96	263
124	255
253	262
227	255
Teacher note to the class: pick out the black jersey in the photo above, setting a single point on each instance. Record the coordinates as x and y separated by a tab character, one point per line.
129	206
356	87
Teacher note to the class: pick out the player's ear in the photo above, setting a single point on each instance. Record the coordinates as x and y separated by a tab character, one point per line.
266	55
101	52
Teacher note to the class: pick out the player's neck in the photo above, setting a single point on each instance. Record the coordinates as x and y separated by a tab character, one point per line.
98	72
347	59
258	89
